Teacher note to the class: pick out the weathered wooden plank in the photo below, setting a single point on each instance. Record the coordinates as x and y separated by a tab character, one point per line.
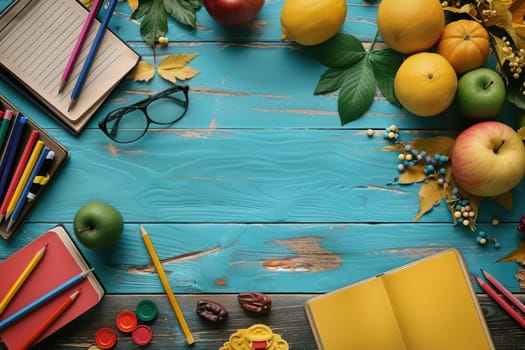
279	258
286	318
218	175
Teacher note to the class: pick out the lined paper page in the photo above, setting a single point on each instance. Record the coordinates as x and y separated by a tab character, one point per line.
36	44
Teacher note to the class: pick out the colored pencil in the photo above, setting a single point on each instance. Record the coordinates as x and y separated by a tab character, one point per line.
91	55
18	171
43	299
37	149
22	198
167	287
11	147
501	302
22	278
6	120
504	290
79	43
49	320
42	178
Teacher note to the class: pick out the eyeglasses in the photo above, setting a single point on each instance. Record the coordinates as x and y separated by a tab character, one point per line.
130	123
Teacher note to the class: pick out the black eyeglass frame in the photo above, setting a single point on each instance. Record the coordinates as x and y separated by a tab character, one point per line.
142	105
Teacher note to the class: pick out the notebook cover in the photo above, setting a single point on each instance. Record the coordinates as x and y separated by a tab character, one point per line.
61	261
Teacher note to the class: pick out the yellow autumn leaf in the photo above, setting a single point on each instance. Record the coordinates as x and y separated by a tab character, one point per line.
438	144
518	255
412	175
143	71
133	4
175	67
468	9
430	194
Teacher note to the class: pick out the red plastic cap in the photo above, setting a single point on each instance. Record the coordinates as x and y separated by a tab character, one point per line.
106	338
126	321
142	335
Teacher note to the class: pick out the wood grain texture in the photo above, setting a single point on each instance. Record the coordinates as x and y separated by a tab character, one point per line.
286	318
259	187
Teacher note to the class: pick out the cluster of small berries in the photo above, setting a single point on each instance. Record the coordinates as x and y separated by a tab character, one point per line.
483	239
391	133
433	164
484	6
464	214
521	225
515	59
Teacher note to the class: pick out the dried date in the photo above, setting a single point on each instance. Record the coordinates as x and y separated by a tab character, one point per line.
255	302
211	311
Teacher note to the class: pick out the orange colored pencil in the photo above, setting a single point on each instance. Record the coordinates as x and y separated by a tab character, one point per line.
49	321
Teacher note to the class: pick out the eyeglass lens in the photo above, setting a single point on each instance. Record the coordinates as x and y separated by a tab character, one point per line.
129	124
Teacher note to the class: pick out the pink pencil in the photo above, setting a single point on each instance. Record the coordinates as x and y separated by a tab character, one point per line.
18	172
80	41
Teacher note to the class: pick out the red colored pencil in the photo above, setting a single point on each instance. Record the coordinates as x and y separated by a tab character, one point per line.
18	172
499	299
49	321
504	291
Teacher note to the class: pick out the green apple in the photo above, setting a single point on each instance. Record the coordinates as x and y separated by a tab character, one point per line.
481	94
98	225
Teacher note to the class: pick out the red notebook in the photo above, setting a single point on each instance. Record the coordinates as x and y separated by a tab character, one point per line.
62	260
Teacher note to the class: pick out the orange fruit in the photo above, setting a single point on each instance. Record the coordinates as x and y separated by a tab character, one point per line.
410	26
465	44
425	84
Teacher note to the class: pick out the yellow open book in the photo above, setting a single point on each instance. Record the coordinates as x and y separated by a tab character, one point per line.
429	304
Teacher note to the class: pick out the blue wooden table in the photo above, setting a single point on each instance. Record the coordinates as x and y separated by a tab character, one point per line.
258	188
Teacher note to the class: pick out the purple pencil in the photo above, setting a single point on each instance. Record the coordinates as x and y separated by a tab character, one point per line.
80	41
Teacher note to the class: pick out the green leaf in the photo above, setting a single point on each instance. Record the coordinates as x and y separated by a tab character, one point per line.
144	7
386	63
357	92
331	80
340	51
155	22
183	11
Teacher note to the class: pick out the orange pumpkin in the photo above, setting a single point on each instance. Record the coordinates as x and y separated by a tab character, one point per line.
465	44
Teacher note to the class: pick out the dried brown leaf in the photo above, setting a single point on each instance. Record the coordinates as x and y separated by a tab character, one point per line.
505	200
521	132
143	71
517	255
412	175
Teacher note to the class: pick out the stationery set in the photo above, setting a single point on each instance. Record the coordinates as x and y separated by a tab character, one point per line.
45	285
30	160
62	58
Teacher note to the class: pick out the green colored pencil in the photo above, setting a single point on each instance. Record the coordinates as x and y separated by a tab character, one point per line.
8	114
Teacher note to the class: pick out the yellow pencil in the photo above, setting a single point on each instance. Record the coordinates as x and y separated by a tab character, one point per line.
24	177
167	287
22	278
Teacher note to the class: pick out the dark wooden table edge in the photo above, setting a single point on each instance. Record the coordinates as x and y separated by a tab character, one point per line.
286	318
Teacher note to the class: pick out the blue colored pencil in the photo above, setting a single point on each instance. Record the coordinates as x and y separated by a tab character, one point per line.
10	151
43	299
92	53
22	199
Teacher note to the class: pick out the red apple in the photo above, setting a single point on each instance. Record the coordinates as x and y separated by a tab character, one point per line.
233	12
488	159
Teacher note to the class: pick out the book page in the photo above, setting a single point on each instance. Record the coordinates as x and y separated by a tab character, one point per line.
436	306
36	40
355	317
